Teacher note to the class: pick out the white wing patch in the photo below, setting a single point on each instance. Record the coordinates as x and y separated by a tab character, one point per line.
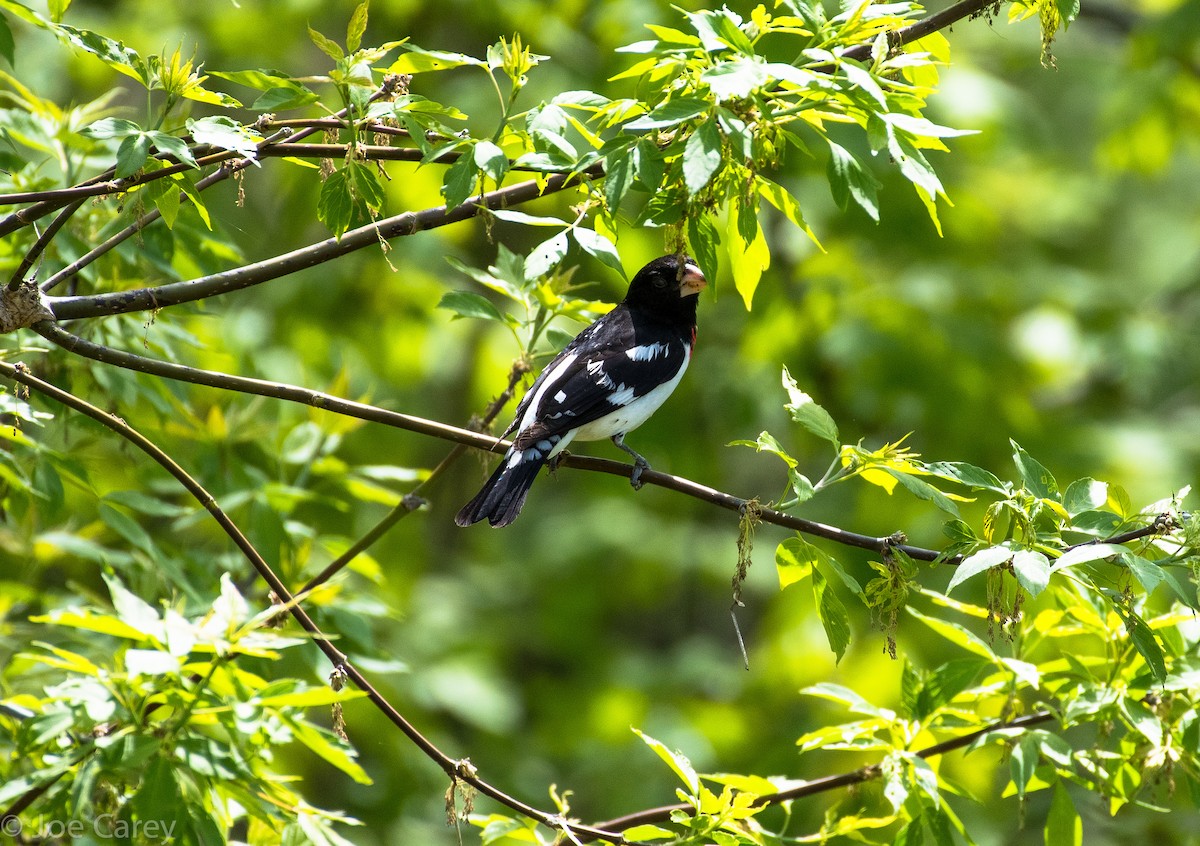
595	369
534	410
623	395
647	352
560	396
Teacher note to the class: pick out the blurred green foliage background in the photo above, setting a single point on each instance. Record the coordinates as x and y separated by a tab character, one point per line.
1059	309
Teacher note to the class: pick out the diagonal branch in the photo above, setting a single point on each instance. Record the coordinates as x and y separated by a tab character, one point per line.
821	785
408	223
459	770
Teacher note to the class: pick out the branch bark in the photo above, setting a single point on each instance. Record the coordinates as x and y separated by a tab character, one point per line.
822	785
145	299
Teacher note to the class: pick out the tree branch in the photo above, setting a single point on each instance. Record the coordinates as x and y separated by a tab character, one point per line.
318	399
408	223
927	25
328	402
821	785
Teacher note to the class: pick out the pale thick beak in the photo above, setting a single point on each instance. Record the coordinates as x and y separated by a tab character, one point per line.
693	281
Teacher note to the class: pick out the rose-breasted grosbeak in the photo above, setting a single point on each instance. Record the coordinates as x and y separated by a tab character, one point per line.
604	384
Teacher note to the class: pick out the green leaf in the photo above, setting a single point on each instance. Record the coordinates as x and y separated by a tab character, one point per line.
1068	10
1100	523
619	169
853	701
598	246
327	747
417	60
794	560
1032	570
116	55
946	682
957	635
491	160
306	697
357	26
644	833
459	181
832	614
1063	824
1143	641
669	114
736	79
808	414
193	194
545	256
967	474
675	760
158	797
979	562
1086	553
133	611
1085	495
335	206
1038	480
226	134
703	239
110	128
924	490
173	146
283	98
1148	574
365	185
326	45
701	156
469	304
132	154
781	198
1024	761
848	179
7	46
128	528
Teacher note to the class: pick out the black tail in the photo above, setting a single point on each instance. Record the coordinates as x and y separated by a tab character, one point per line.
500	500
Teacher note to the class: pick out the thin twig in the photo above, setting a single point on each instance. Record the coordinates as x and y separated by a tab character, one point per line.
43	241
409	503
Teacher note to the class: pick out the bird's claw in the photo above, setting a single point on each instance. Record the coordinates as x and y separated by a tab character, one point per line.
635	478
553	463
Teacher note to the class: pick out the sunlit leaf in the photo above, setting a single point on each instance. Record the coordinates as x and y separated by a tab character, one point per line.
1037	478
979	562
701	156
832	614
681	766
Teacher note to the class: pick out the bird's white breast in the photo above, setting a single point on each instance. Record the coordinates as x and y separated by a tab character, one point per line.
632	412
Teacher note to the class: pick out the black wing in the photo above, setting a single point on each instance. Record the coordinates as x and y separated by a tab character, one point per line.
609	365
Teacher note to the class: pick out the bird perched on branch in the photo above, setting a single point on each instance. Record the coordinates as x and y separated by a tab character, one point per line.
604	384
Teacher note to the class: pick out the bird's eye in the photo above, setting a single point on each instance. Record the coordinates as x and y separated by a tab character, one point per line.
660	281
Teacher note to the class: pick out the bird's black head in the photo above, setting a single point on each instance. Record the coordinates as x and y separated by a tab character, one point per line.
667	287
